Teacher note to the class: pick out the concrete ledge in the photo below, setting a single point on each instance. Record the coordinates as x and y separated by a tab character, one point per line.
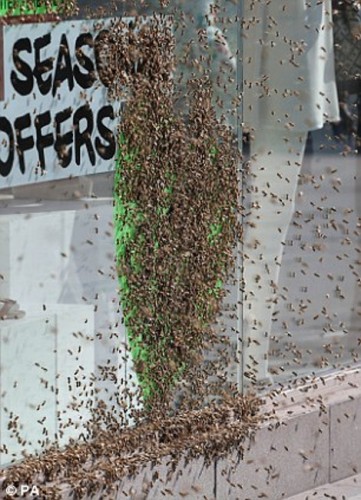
315	440
348	489
345	435
284	459
192	480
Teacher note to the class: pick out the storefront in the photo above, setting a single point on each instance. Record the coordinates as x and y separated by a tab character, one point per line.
143	261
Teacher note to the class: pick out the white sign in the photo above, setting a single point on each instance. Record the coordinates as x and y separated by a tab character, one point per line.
56	120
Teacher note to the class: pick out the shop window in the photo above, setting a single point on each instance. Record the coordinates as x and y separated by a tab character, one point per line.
283	95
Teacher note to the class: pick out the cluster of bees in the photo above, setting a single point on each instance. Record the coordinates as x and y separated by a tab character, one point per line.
177	186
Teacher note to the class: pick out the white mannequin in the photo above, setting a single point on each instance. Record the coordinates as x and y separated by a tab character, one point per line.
269	193
289	88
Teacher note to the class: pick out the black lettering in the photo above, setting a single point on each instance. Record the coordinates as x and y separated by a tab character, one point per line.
6	165
63	141
23	143
63	70
107	150
83	138
85	80
22	86
42	67
43	141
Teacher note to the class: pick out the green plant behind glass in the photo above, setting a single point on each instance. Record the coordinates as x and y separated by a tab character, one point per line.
34	7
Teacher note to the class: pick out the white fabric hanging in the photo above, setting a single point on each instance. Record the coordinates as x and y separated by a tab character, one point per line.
288	64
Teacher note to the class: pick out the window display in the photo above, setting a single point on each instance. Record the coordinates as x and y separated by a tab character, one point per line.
179	214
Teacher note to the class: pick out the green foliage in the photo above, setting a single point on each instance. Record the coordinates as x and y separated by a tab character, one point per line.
30	7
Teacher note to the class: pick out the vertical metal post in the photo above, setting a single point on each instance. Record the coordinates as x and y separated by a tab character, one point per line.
239	123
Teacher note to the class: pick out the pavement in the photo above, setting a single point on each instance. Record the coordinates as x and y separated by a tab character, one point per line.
346	489
317	320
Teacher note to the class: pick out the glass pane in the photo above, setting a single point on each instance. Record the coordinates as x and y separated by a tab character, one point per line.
126	284
69	251
301	220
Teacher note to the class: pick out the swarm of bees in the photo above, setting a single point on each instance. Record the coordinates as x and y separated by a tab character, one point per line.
176	204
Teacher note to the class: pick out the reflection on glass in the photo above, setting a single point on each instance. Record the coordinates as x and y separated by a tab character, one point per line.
297	311
292	307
